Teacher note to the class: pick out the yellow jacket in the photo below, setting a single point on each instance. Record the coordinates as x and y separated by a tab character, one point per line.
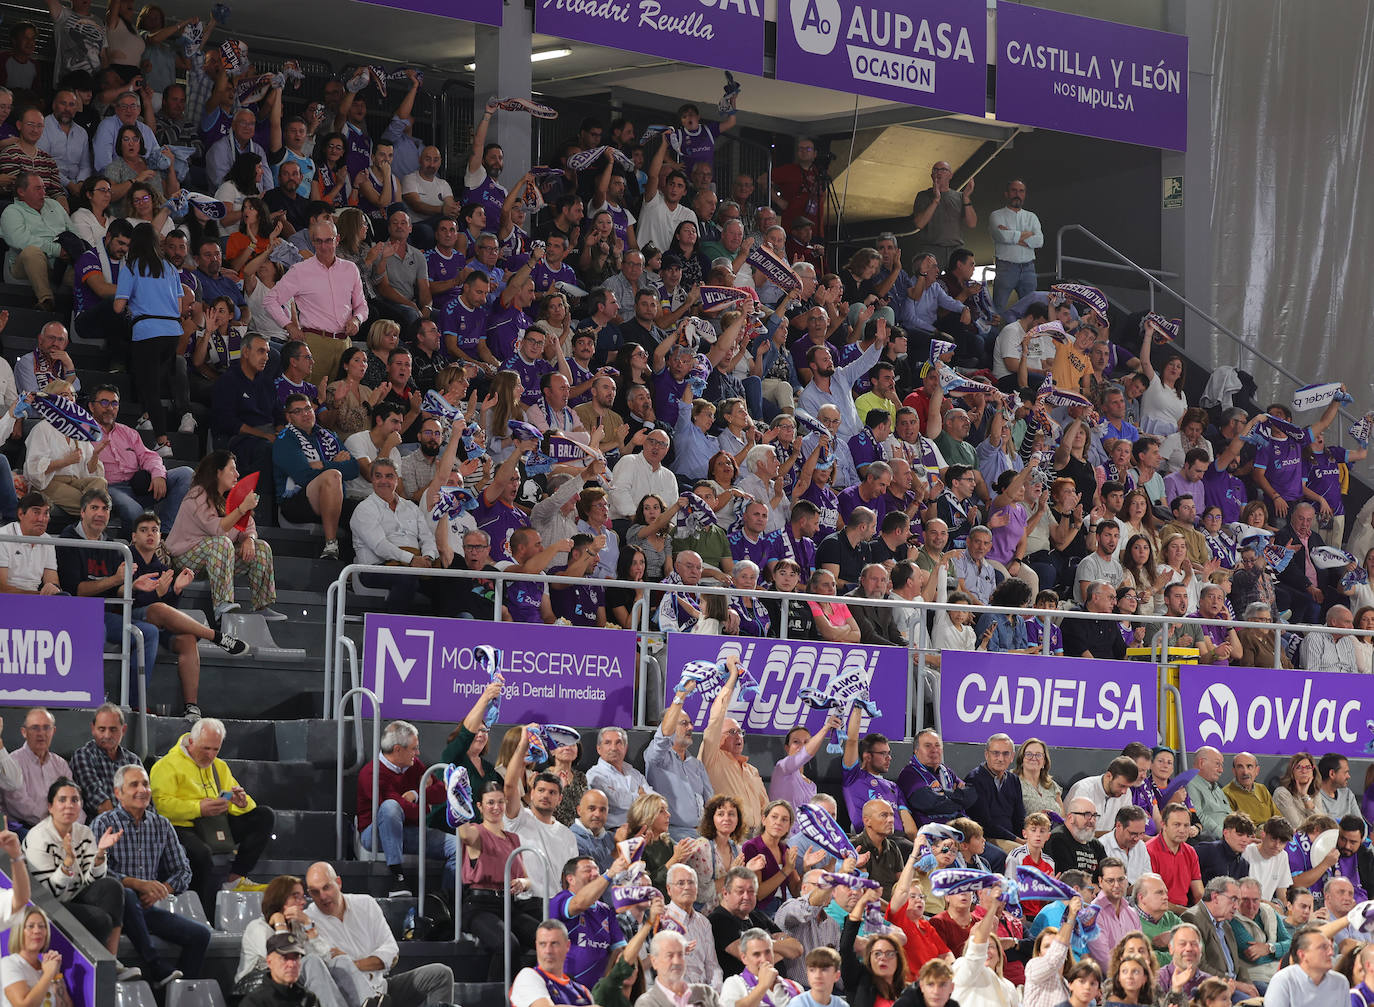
179	785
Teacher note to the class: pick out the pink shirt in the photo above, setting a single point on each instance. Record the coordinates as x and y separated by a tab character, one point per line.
197	520
128	454
326	297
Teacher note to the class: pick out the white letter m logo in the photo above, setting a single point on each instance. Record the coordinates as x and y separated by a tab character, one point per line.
413	684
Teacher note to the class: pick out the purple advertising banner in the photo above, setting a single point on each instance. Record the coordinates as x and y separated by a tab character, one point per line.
918	52
1098	78
721	33
52	651
1060	700
1271	712
782	667
479	11
422	668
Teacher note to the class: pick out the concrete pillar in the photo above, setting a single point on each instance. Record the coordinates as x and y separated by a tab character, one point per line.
503	70
1186	232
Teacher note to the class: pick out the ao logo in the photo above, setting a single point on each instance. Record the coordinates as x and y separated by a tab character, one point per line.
1218	705
816	25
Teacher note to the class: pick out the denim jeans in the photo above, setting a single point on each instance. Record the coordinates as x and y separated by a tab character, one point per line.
128	505
1017	276
141	925
396	839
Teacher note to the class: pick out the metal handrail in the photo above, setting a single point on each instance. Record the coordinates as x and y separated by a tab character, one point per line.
1242	345
506	896
339	761
420	870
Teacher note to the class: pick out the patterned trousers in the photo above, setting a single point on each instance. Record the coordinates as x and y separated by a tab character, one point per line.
220	561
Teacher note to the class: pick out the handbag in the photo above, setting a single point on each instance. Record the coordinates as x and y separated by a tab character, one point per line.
213	830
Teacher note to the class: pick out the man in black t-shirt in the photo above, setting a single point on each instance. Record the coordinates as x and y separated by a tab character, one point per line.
475	598
737	913
843	553
1071	846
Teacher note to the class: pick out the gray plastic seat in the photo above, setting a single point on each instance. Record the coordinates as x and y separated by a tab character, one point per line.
235	910
134	994
194	993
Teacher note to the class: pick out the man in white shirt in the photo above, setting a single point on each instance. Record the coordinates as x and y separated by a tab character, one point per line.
428	196
614	777
1126	842
390	530
701	963
1015	342
356	926
1109	792
1016	234
224	151
28	568
63	468
663	209
382	441
536	826
639	475
1310	981
548	985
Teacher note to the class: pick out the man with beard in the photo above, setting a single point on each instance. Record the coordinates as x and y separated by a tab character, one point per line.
535	824
1072	845
286	202
1016	234
67	143
600	412
831	385
417	468
484	168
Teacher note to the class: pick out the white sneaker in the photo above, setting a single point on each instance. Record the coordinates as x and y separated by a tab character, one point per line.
144	424
188	424
165	450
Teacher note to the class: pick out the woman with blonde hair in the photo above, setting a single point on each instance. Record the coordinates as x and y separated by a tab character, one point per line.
502	405
1039	789
31	974
648	818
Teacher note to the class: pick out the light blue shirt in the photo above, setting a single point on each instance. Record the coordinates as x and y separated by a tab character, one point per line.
220	158
71	150
692	446
841	394
1005	243
683	782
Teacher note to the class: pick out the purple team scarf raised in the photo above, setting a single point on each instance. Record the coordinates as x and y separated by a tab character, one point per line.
234	54
714	297
694	517
1165	330
940	348
208	205
845	693
453	500
534	108
434	404
828	879
1055	330
380	77
1361	429
66	417
584	159
546	737
955	880
777	272
1051	395
624	896
1317	396
459	789
1088	296
1265	429
954	383
1277	557
816	825
1354	578
522	431
1035	885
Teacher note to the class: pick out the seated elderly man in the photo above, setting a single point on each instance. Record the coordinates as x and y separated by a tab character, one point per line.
178	781
389	530
63	468
738	915
1262	937
759	953
702	966
670	959
805	919
397	826
546	984
1331	651
138	479
619	781
30	770
1100	638
30	226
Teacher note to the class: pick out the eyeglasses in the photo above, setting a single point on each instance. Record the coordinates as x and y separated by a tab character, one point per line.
474	545
143	199
883	953
104	402
1089	815
298	409
1033	757
734	732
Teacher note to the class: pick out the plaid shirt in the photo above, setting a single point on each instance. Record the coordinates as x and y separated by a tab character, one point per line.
93	771
199	87
148	850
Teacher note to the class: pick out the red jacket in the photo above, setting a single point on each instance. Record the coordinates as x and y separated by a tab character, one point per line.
392	785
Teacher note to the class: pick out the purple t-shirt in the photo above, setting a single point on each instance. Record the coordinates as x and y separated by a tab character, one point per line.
759	552
545	277
801	551
286	388
530	373
829	504
491	195
1175	485
1034	627
864	448
467	325
441	269
593	935
1217	634
667	396
576	602
88	264
1006	538
500	521
1222	489
1281	463
849	500
861	786
505	326
523	598
694	147
1323	477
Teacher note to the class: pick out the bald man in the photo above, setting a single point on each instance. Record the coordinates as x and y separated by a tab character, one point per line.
722	752
428	197
1245	792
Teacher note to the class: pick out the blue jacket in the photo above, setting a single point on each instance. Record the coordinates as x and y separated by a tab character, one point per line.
289	463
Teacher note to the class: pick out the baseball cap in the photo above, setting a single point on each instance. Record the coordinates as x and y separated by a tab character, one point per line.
671	261
284	944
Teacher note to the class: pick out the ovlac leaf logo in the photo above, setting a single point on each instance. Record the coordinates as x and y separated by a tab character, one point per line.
1218	705
816	25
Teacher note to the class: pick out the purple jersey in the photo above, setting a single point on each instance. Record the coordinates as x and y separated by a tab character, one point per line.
801	551
214	126
699	145
620	219
1281	463
592	934
860	786
829	504
89	265
499	520
441	268
864	449
505	326
530	374
359	153
544	277
1034	629
849	501
492	196
1222	489
667	396
286	388
759	552
467	325
578	603
580	375
523	598
1323	477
